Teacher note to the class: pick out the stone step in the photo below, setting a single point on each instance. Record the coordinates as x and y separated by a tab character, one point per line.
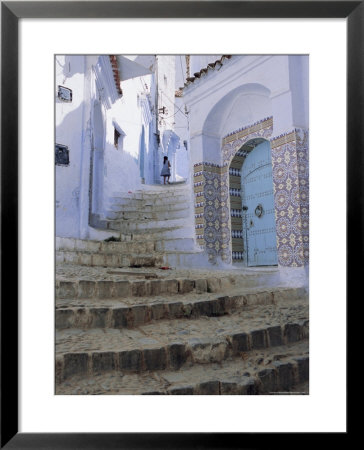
114	313
170	344
279	371
125	226
151	201
108	259
89	288
141	216
112	247
152	259
166	233
126	246
155	194
176	232
173	185
123	286
149	208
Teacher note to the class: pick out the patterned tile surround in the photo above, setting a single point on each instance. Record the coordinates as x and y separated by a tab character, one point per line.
217	196
291	197
211	210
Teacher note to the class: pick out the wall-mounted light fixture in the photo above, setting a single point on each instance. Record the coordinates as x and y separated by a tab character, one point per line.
65	94
62	156
163	110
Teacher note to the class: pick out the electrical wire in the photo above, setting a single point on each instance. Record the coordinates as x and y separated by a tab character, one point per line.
175	105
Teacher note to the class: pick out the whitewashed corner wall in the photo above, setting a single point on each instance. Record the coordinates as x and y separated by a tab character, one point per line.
98	169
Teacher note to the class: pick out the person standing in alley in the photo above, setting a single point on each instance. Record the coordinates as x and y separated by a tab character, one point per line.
166	172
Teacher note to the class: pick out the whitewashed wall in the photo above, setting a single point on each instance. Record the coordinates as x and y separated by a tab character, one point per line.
244	90
123	165
86	126
69	117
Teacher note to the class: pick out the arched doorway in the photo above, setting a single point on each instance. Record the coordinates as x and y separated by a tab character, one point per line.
253	228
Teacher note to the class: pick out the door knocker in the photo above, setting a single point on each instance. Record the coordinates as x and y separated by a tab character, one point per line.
259	211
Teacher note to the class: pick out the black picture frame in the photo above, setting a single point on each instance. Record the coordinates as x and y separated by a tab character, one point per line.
11	12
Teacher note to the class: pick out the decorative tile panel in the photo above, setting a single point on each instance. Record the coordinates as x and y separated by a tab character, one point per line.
233	142
303	183
211	210
217	188
290	183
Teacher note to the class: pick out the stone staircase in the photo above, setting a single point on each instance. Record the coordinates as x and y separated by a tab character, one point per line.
144	331
125	326
155	226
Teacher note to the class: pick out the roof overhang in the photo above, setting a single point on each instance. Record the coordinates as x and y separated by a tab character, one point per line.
135	66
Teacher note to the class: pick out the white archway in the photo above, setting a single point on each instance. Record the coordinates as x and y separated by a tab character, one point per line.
242	106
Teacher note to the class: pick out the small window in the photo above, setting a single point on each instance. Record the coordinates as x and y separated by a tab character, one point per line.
119	136
116	138
62	155
64	94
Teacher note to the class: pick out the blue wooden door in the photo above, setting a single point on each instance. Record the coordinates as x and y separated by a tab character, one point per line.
259	225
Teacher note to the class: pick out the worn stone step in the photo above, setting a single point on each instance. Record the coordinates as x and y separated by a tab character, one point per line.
126	246
166	233
282	370
157	197
134	351
248	277
171	344
114	313
109	259
177	232
88	288
114	286
103	284
171	258
141	216
150	208
92	246
152	204
154	201
125	226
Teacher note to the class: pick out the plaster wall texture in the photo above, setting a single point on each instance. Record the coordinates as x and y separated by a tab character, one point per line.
255	87
123	164
169	142
69	117
182	123
182	159
87	126
166	90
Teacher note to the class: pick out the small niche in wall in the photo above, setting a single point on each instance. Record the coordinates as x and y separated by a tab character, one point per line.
118	137
62	155
64	94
